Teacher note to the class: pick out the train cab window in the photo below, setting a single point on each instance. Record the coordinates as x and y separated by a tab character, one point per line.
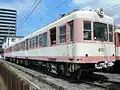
111	33
100	31
44	43
63	34
87	30
53	35
71	25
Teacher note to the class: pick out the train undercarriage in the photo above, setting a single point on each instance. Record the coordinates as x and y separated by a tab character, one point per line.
76	70
105	66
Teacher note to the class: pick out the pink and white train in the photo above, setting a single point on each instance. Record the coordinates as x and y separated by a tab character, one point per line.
117	50
77	42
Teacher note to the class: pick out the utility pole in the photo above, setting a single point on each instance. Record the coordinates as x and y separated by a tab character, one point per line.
8	34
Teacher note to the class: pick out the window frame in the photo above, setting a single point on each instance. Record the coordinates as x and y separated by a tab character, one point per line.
51	35
36	41
45	42
87	30
62	34
71	31
26	42
110	33
40	39
102	23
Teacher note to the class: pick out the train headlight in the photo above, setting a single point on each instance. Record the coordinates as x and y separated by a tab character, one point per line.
100	12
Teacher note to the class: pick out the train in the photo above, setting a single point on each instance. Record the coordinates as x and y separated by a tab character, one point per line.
76	43
117	50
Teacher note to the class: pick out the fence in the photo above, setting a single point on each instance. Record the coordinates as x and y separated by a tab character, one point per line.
13	81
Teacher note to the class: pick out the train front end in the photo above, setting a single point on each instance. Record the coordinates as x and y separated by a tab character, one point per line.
96	43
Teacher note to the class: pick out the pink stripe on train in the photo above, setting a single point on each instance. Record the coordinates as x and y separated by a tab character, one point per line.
82	59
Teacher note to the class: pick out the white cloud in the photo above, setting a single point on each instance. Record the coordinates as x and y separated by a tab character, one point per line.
111	7
22	7
77	2
110	2
95	3
87	8
116	16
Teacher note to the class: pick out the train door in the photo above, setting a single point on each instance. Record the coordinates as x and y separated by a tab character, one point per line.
71	46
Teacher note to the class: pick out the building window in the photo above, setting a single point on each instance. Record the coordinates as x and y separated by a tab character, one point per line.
111	33
44	43
87	30
40	40
63	34
100	31
53	35
71	25
13	39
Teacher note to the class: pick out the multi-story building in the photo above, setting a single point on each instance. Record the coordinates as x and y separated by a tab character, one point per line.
8	41
7	24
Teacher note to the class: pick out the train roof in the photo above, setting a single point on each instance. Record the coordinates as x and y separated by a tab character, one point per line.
91	15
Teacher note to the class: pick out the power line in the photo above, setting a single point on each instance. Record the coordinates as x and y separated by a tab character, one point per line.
22	3
112	8
31	12
65	1
31	8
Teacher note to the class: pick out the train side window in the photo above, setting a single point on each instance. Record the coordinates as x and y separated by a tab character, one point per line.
40	40
44	43
119	38
53	35
27	44
23	45
87	30
111	33
36	41
33	43
63	34
71	25
30	43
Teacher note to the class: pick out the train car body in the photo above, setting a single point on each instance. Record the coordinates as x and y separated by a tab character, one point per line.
117	50
80	39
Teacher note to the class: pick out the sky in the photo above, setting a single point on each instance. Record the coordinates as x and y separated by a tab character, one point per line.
49	10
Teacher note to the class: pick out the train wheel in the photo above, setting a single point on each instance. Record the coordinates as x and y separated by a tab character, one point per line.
60	69
67	73
79	75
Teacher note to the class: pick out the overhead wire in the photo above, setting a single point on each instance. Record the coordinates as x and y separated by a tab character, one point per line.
35	4
65	1
26	14
112	8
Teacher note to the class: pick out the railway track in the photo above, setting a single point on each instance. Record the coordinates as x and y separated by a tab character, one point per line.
99	84
39	78
107	85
